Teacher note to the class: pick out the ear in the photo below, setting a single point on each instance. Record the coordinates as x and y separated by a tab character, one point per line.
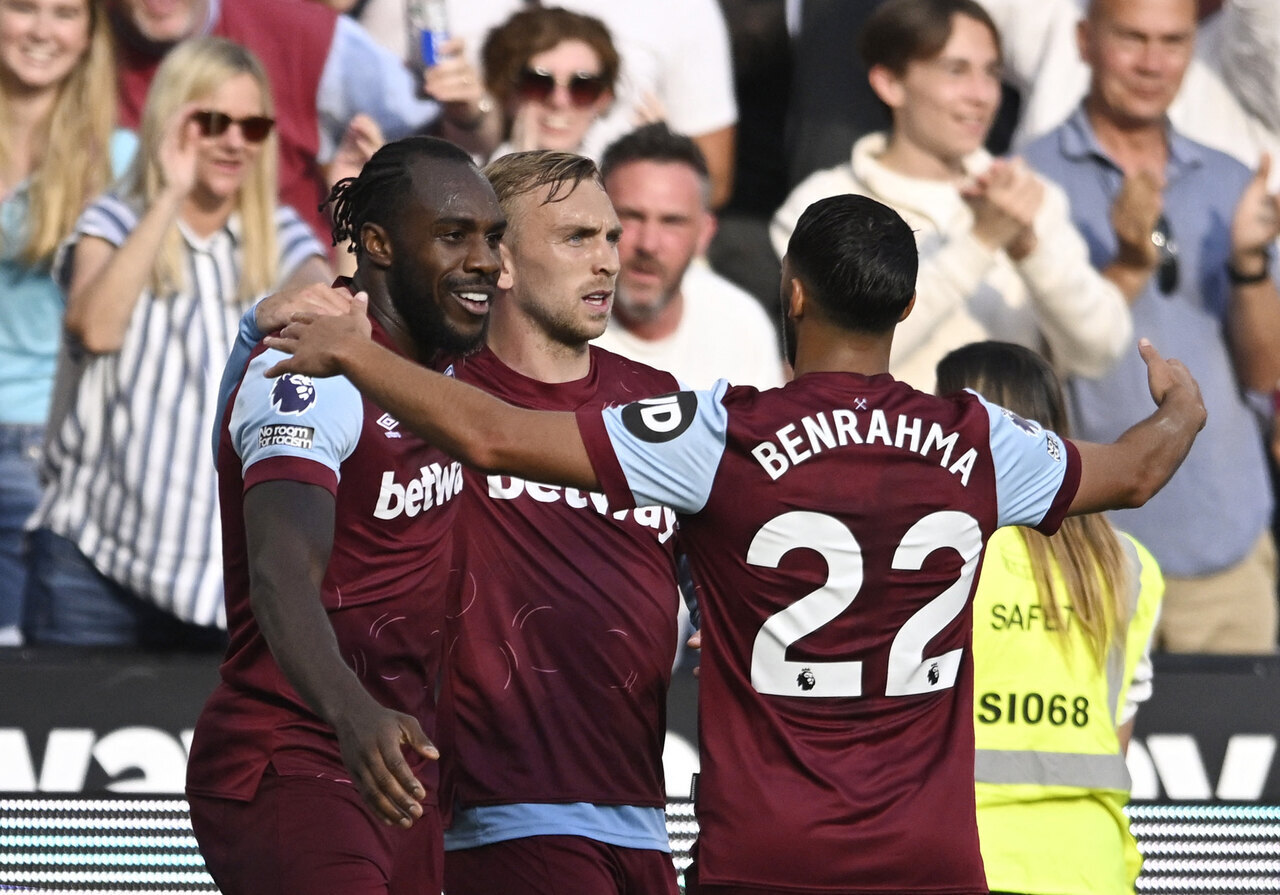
797	298
1083	35
887	86
710	224
906	312
375	245
506	278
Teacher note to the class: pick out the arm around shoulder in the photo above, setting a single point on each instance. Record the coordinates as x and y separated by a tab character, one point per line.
477	428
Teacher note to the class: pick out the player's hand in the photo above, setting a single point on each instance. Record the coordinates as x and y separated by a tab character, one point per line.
318	345
276	311
372	739
1256	223
1170	380
360	141
1134	214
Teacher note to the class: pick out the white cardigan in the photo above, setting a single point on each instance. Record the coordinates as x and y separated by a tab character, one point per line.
1053	300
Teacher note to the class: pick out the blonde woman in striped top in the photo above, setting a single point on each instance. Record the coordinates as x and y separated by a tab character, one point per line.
127	549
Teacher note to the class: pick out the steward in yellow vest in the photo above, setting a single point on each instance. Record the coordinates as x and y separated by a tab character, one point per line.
1051	777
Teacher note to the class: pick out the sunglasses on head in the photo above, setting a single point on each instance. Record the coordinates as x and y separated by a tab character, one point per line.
213	124
1167	266
534	84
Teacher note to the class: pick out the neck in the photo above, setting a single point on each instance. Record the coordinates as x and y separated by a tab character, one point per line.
26	119
906	158
526	347
652	328
1134	146
206	214
824	348
384	311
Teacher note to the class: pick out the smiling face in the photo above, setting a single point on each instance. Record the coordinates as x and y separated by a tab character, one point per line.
444	256
1139	51
943	107
665	223
560	123
41	41
560	261
224	161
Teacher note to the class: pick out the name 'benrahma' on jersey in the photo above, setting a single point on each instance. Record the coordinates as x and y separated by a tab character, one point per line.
835	528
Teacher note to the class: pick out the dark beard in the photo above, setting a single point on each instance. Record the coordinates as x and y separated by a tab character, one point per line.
431	332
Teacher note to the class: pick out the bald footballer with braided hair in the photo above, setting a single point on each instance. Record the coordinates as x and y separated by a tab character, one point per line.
311	768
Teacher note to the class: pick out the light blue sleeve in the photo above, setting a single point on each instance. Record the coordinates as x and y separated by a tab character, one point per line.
294	416
670	447
1030	466
247	338
360	75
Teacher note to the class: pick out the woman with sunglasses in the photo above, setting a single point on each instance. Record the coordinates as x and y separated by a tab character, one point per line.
57	108
552	72
158	273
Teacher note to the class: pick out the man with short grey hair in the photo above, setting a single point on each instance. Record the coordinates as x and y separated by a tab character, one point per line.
1186	232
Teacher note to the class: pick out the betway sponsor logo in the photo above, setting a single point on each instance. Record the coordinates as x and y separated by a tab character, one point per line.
1172	762
660	519
435	485
135	759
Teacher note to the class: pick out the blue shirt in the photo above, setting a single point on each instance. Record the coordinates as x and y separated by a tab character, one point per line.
31	308
1211	513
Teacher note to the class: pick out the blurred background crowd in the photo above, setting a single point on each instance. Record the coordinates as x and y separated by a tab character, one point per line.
1078	176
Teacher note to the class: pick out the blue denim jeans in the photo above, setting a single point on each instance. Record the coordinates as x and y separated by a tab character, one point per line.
70	603
19	494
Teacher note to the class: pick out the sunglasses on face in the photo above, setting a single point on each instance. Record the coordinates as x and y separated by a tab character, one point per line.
1167	266
214	124
536	85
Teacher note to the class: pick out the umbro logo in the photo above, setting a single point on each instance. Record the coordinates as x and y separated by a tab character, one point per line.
390	424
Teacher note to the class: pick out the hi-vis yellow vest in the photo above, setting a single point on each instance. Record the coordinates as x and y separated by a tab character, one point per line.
1051	778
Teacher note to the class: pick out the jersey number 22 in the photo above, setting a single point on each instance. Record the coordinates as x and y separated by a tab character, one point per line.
909	671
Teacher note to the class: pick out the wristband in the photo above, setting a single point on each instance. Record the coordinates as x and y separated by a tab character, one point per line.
1236	278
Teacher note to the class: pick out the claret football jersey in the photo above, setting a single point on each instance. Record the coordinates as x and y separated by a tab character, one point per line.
563	633
835	527
383	590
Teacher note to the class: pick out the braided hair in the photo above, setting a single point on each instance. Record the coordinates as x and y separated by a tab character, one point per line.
378	193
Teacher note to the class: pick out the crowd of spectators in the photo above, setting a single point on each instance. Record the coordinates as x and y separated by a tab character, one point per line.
1078	175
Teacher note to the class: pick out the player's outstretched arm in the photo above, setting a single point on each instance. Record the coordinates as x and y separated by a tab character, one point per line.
289	531
1130	471
477	428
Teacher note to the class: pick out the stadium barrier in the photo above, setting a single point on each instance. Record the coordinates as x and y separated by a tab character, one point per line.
93	749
